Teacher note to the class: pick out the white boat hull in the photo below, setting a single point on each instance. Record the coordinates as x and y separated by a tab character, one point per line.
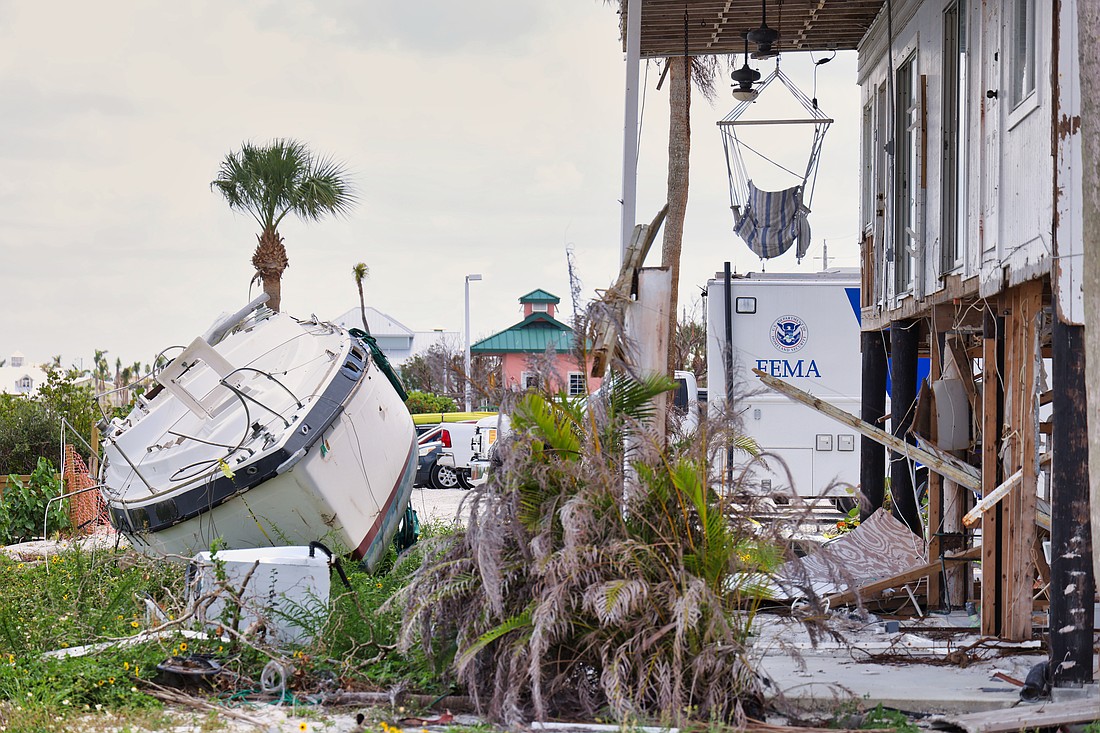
341	472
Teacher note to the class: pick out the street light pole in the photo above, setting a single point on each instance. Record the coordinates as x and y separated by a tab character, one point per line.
469	385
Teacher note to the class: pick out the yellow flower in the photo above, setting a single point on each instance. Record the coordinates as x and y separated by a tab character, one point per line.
303	726
135	624
11	659
183	646
111	680
126	665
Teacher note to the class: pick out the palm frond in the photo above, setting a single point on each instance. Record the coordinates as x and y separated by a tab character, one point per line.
270	181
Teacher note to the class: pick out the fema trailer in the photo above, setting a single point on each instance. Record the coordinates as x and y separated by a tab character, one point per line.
802	328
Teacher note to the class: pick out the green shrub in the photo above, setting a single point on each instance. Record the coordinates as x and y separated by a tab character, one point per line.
422	402
23	506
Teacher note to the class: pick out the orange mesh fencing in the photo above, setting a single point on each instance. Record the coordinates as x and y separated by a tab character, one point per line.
87	511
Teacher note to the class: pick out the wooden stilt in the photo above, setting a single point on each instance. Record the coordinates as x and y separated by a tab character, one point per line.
1071	578
992	419
1022	353
872	455
937	590
903	398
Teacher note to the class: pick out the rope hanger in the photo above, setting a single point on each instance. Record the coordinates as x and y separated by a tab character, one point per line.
771	221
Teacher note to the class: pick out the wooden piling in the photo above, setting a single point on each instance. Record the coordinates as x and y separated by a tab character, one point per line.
872	454
992	419
1072	585
903	399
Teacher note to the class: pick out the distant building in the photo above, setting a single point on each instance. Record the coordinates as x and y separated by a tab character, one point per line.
523	345
398	341
19	377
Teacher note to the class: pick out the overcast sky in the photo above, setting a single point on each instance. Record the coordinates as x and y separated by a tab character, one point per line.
483	136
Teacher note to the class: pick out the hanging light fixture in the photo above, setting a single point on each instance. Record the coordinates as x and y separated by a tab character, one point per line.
764	37
744	78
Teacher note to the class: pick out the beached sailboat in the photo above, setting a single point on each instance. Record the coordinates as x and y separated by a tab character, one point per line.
266	431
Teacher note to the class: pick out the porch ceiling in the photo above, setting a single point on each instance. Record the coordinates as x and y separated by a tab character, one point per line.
715	26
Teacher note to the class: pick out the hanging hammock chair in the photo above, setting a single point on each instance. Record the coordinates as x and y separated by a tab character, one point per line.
771	221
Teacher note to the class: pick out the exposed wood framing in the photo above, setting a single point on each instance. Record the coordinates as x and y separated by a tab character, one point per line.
954	288
996	495
993	400
715	26
1024	311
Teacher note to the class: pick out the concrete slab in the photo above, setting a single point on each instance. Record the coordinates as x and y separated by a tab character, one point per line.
440	505
919	678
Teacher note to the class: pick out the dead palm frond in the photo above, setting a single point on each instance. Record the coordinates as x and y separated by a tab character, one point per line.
563	596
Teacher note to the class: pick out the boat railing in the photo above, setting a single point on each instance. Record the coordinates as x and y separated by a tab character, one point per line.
243	396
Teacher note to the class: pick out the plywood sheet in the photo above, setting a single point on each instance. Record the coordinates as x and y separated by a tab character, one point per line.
879	548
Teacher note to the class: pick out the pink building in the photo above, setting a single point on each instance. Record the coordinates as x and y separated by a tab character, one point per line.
524	345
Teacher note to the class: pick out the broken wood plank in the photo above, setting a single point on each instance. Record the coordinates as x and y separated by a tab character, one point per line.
1029	717
954	469
909	576
998	493
604	338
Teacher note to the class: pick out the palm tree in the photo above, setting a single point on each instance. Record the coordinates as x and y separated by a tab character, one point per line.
683	71
270	181
361	271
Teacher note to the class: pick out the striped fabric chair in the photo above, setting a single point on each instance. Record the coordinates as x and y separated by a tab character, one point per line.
771	221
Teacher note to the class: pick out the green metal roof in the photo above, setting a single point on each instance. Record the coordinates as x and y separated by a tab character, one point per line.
530	336
540	296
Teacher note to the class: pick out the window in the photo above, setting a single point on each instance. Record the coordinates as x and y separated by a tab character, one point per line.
24	385
952	230
529	380
867	146
1022	48
906	174
576	384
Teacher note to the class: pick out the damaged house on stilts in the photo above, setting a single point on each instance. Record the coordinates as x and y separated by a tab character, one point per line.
974	257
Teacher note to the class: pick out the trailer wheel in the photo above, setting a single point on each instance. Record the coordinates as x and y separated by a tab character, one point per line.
464	480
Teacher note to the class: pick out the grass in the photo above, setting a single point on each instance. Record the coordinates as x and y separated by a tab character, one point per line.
79	597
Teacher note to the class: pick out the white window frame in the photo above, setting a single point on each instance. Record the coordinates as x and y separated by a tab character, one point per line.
580	387
24	384
1023	58
906	237
953	190
867	148
529	380
540	307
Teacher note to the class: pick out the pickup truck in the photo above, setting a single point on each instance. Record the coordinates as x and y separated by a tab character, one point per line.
487	432
445	455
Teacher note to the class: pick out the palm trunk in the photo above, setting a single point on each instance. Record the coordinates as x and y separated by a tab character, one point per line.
679	149
363	307
270	261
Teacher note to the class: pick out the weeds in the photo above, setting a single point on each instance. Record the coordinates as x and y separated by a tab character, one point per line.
79	597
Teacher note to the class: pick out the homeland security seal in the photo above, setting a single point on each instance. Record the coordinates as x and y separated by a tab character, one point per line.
789	334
